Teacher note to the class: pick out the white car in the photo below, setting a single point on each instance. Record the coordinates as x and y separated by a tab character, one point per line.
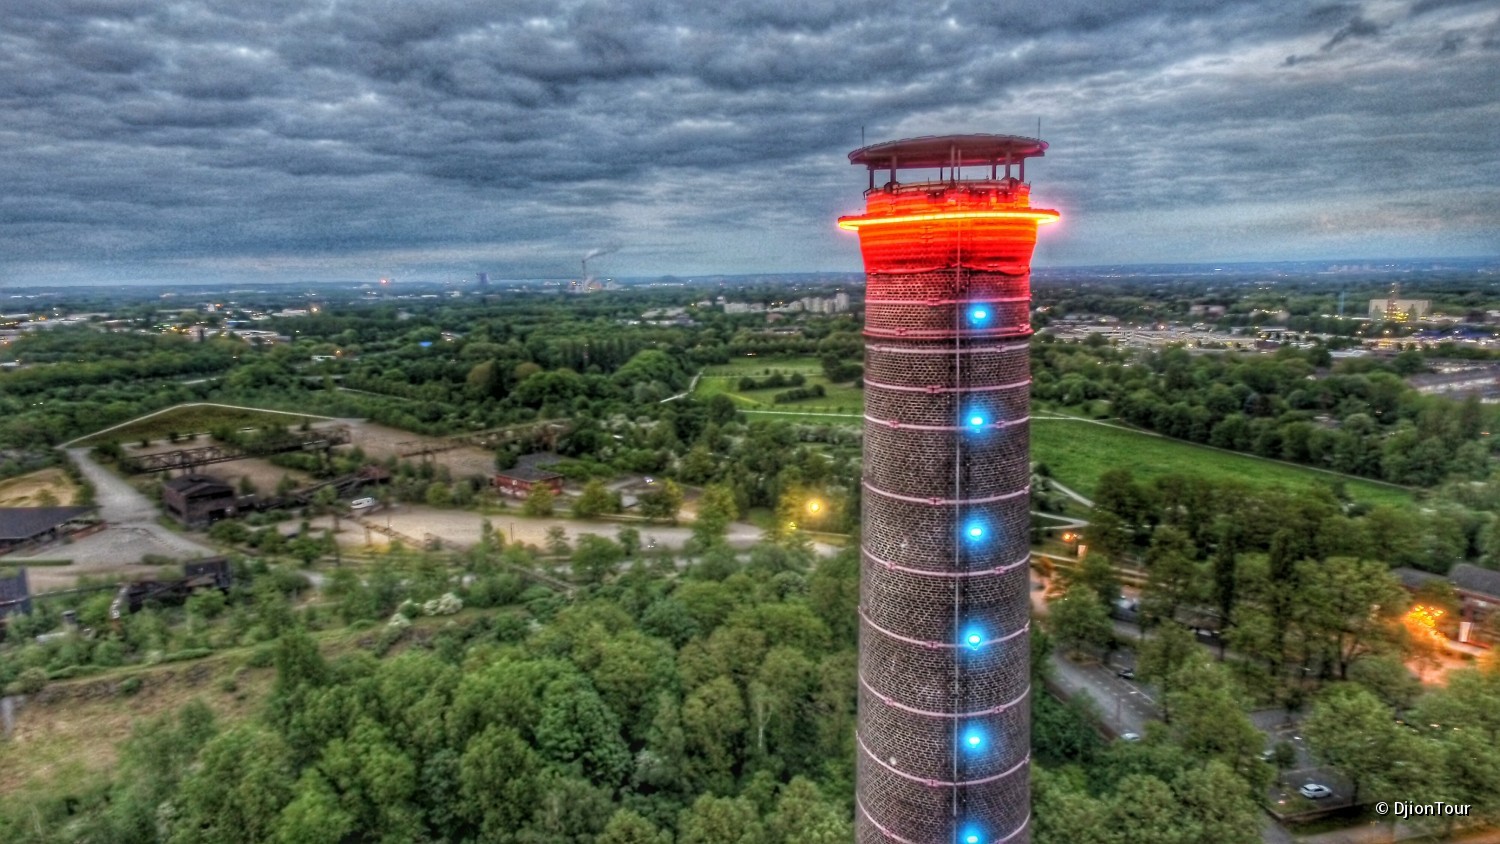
1130	736
360	504
1314	791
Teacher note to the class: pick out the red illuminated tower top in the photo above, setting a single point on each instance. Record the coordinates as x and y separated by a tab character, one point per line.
975	184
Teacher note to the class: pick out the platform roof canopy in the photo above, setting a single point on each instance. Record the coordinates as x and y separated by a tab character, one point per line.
947	150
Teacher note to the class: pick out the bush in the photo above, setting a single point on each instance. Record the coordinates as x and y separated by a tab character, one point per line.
31	681
130	685
187	654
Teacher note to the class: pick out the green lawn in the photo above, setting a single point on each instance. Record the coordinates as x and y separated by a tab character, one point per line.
194	419
839	398
1077	452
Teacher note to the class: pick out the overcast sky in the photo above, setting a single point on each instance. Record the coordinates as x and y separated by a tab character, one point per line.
200	140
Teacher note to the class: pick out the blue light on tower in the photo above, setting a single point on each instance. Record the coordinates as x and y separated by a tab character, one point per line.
979	315
973	638
969	835
973	739
975	419
974	531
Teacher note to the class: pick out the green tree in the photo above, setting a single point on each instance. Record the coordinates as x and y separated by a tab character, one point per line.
243	780
713	725
662	502
579	731
1387	676
439	494
1351	730
804	816
721	820
1163	656
498	782
716	509
557	541
1346	608
539	501
594	500
1095	572
627	827
1080	622
629	539
595	558
1173	580
1210	723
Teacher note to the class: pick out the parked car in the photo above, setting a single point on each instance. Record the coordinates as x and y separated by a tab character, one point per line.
1314	791
361	504
1130	736
1126	673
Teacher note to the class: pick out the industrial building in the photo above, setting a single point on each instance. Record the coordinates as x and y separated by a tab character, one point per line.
199	500
943	731
26	527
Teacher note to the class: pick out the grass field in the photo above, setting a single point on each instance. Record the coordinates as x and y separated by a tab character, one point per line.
192	419
840	398
1077	452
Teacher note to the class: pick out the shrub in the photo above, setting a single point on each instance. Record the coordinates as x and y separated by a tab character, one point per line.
130	685
31	681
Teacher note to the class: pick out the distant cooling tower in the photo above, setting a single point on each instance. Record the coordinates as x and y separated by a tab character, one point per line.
944	653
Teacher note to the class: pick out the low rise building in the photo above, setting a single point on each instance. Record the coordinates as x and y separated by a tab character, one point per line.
199	500
22	527
520	480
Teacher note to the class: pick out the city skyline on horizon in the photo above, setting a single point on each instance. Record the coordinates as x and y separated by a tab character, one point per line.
284	143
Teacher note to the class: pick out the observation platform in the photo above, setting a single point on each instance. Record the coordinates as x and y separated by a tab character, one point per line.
949	154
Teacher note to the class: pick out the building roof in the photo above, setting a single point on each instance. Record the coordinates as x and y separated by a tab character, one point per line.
527	473
191	485
1471	578
19	524
943	150
1415	579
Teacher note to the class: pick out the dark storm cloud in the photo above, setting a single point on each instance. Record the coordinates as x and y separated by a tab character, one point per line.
352	139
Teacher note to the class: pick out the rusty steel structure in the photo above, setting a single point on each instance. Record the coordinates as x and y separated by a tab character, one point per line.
320	439
943	735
